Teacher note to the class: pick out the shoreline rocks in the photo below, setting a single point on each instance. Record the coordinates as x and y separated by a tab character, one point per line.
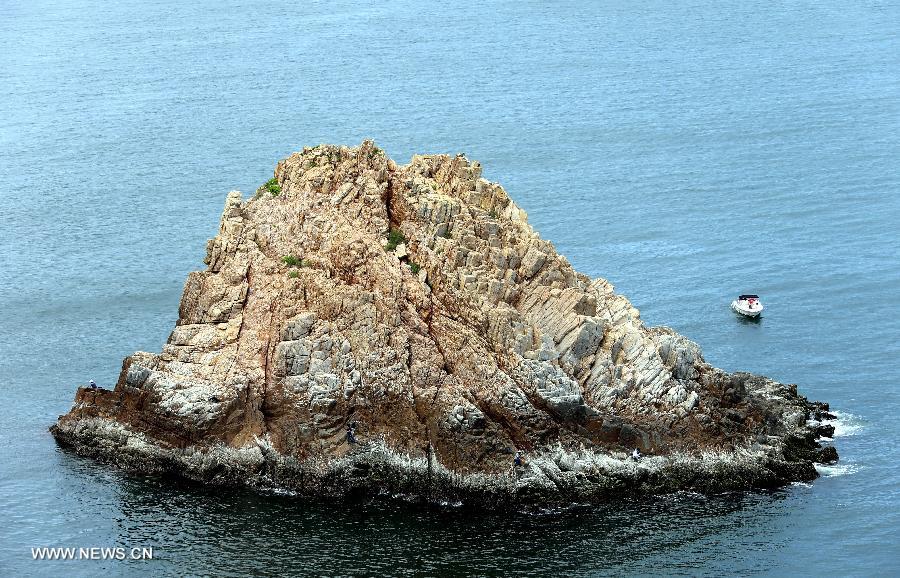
415	306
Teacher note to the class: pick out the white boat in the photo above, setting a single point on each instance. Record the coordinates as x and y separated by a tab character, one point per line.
748	305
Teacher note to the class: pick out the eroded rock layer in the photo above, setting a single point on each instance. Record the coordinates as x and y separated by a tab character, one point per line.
445	347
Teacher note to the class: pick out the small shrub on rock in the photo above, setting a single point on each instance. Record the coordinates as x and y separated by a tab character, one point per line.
394	237
273	187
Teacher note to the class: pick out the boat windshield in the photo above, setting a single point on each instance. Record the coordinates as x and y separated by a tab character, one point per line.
746	297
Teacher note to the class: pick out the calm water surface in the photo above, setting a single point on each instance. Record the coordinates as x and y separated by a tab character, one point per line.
685	151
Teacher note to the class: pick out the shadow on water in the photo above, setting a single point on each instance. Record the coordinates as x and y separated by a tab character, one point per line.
239	531
743	319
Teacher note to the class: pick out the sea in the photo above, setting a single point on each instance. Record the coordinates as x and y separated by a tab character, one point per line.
686	151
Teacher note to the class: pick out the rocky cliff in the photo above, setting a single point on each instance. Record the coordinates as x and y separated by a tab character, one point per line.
364	327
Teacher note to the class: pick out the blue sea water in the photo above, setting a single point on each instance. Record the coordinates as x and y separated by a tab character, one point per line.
686	151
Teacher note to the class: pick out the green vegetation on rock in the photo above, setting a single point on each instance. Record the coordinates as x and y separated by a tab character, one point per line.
394	237
292	261
273	187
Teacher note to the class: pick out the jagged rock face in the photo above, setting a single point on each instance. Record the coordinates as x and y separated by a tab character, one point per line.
449	352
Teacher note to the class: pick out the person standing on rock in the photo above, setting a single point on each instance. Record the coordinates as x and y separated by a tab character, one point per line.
93	385
518	459
351	434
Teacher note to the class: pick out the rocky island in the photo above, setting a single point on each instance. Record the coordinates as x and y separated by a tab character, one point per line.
368	328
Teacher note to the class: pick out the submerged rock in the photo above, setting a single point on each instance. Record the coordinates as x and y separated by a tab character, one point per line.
375	328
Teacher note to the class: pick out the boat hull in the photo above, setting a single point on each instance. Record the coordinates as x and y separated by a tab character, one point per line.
743	309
